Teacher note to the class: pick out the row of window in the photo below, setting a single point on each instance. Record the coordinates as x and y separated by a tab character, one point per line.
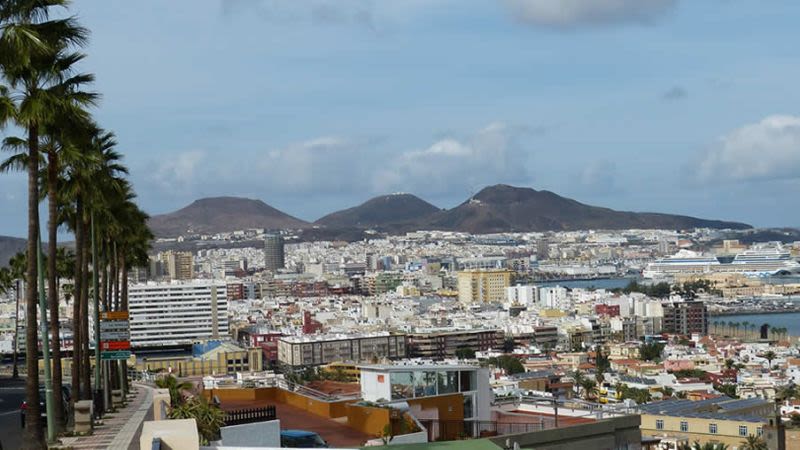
712	428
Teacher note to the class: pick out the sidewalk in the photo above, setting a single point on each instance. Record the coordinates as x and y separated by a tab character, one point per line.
119	431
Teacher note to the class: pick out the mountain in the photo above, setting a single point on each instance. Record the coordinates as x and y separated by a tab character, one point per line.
10	246
222	214
502	208
387	211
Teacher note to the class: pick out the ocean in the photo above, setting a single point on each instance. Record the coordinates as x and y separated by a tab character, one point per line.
790	321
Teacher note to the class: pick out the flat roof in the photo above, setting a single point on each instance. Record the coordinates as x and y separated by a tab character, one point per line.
407	367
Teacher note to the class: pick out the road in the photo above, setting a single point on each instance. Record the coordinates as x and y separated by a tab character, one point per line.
12	393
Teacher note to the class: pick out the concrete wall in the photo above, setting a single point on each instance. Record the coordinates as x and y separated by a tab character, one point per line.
261	434
367	419
177	434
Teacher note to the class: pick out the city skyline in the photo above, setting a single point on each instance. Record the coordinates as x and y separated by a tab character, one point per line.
317	106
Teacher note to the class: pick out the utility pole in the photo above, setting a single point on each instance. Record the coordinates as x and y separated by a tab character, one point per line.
48	377
97	372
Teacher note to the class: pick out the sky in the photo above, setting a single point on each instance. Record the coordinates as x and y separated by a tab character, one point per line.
672	106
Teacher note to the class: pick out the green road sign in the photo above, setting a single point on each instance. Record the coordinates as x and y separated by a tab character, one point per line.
115	355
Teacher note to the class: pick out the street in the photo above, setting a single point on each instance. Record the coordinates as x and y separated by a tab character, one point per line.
12	394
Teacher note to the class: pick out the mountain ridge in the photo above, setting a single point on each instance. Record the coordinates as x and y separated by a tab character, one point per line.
494	209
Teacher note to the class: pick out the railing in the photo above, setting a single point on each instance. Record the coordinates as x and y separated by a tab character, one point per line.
449	430
310	392
243	416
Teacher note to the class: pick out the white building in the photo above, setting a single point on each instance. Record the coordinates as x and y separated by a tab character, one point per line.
554	298
397	383
522	295
177	313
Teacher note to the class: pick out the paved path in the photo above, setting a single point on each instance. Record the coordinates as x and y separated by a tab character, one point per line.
117	432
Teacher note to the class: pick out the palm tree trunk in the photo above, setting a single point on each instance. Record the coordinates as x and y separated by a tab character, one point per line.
112	281
103	278
80	242
52	284
86	369
32	437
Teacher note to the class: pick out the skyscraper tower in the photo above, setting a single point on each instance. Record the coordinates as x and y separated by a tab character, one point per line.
273	252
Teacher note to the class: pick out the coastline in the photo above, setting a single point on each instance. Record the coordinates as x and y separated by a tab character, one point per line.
752	312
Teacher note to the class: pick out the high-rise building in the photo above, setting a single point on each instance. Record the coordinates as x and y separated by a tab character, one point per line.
176	265
483	286
273	252
177	313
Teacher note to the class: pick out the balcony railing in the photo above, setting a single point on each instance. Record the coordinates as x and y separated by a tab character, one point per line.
252	415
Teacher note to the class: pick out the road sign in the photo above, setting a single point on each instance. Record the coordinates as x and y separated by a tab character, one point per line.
114	315
115	345
114	325
115	355
115	336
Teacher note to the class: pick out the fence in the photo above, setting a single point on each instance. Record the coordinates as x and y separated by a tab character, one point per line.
242	416
448	430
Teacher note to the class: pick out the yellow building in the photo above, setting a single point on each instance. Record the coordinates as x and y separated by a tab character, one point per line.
219	361
483	286
347	370
719	420
179	265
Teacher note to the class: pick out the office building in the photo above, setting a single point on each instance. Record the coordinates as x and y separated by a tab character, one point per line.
273	253
296	352
483	286
177	313
174	265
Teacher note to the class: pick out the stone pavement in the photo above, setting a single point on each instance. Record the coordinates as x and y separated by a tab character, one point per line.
118	431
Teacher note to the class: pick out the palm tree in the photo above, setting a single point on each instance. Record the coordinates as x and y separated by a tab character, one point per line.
578	379
589	388
17	266
31	45
745	325
769	356
753	443
175	388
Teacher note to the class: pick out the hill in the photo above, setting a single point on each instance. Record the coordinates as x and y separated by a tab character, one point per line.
502	208
222	214
9	246
386	211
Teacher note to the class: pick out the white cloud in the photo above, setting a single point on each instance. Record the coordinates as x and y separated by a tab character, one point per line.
599	177
458	165
178	172
769	149
572	13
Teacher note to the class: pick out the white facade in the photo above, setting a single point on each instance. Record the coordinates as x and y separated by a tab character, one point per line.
177	313
522	295
399	383
554	298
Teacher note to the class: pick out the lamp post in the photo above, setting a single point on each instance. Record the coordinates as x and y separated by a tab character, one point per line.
48	377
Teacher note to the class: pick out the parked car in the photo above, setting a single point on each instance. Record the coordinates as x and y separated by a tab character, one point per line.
302	439
65	399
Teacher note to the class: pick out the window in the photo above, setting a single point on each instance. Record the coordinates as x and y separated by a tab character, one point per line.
468	410
468	380
759	431
448	382
402	385
659	424
712	428
684	426
743	430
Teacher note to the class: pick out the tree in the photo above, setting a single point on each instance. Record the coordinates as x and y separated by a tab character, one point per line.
508	363
589	387
651	351
769	356
509	345
209	417
727	389
465	353
753	443
32	47
175	388
578	380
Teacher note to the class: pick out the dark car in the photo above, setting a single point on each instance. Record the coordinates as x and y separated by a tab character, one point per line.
302	439
65	400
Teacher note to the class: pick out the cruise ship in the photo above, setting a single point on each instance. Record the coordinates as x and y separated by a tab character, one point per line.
760	261
682	263
765	260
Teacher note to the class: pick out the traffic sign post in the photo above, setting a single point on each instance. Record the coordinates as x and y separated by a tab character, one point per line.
115	355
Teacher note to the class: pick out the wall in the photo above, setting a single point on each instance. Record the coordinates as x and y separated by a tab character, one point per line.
262	396
698	429
260	434
621	432
372	388
367	419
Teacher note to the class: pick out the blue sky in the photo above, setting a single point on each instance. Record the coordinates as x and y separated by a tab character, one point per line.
315	105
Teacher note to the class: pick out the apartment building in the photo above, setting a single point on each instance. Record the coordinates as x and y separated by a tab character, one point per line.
483	286
440	344
720	420
177	313
685	318
296	352
178	265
